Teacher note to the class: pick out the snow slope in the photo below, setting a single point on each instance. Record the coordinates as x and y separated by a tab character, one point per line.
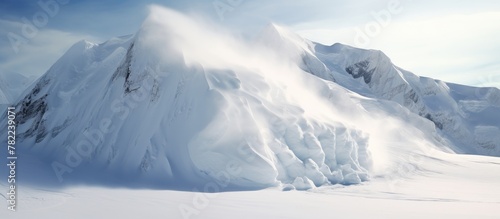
459	186
3	98
164	108
181	124
12	85
168	108
467	116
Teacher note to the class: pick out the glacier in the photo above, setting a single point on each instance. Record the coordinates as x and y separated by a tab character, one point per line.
179	105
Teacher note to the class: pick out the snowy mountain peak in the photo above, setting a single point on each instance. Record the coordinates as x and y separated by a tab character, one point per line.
172	118
445	104
180	104
284	41
300	50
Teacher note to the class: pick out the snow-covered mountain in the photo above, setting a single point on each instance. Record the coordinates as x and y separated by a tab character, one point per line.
467	116
188	106
12	85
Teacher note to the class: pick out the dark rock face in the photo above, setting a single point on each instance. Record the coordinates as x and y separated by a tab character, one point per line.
438	124
140	82
124	71
360	69
34	106
58	129
411	97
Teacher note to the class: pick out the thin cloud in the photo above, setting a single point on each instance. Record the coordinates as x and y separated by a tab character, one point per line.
38	53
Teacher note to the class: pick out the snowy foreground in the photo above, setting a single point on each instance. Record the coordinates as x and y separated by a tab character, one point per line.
458	186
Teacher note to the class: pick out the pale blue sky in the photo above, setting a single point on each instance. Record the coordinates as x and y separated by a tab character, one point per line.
450	40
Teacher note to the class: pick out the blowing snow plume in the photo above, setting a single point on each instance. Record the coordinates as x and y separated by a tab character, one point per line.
179	105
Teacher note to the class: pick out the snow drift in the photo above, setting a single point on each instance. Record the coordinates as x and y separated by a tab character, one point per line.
179	104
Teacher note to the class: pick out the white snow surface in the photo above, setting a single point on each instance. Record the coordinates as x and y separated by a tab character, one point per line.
453	186
181	104
467	116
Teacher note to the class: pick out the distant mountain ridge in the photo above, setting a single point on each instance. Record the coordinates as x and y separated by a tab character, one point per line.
462	113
